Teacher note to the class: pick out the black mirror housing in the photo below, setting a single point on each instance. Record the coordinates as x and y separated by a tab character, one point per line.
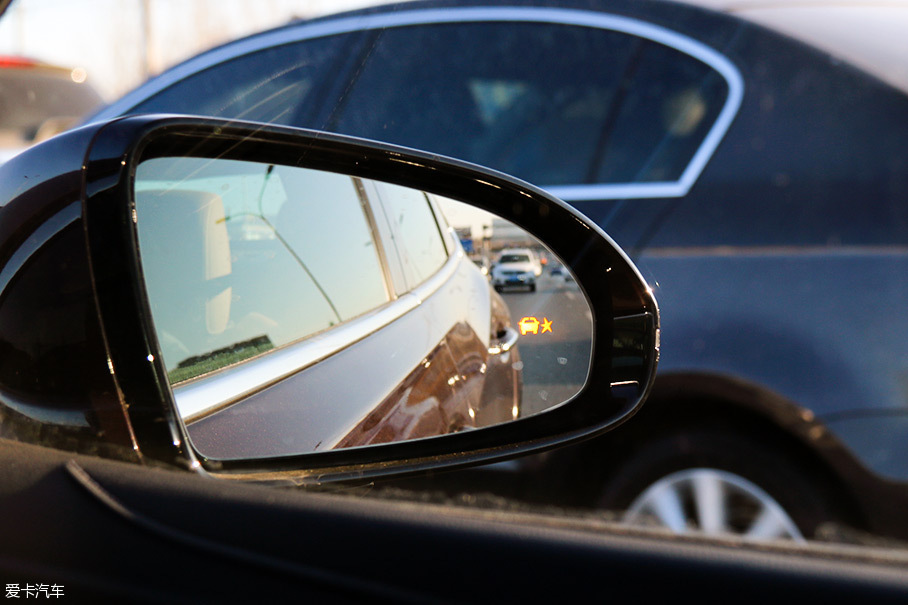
70	255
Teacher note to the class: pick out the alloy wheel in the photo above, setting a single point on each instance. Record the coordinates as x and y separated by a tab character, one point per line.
712	502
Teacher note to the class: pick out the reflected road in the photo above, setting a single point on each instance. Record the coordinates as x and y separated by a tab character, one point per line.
555	362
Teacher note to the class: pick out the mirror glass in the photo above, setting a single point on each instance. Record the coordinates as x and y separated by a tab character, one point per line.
298	310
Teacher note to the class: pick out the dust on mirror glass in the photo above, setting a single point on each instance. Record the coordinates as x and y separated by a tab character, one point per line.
298	310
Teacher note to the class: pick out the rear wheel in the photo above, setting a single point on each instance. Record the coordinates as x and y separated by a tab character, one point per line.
714	502
719	483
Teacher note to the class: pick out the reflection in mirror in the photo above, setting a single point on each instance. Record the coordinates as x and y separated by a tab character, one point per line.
298	310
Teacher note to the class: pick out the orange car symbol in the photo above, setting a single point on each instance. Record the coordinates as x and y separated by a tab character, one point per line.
529	324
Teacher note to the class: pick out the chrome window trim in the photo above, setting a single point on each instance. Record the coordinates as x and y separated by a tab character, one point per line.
199	397
366	202
392	267
563	16
438	279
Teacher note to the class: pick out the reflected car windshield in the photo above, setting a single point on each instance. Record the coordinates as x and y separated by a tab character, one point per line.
515	258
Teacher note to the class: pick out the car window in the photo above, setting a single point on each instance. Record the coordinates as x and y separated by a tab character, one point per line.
515	97
526	99
283	253
670	102
418	235
271	85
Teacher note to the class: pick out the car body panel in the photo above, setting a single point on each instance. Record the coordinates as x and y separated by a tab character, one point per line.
420	391
46	391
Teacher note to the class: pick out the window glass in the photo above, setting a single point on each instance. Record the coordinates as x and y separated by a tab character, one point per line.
527	99
670	102
419	239
267	86
514	258
241	257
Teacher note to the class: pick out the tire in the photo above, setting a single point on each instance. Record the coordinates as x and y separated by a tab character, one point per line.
707	481
498	288
532	287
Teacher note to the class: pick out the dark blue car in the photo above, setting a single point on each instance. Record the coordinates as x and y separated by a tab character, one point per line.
760	184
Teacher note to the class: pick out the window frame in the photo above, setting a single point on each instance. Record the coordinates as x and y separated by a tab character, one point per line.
397	243
431	16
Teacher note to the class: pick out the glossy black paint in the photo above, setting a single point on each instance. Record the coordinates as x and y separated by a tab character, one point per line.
111	152
55	385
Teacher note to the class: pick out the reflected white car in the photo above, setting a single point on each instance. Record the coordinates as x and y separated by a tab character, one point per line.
516	268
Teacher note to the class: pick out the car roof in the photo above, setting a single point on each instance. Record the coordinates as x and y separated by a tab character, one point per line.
869	35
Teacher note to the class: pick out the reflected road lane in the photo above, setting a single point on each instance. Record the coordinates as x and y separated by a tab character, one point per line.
555	361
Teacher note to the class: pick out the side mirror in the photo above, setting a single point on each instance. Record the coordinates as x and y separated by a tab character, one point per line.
270	303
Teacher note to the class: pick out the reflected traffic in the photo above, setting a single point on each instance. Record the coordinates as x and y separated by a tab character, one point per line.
278	292
555	327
